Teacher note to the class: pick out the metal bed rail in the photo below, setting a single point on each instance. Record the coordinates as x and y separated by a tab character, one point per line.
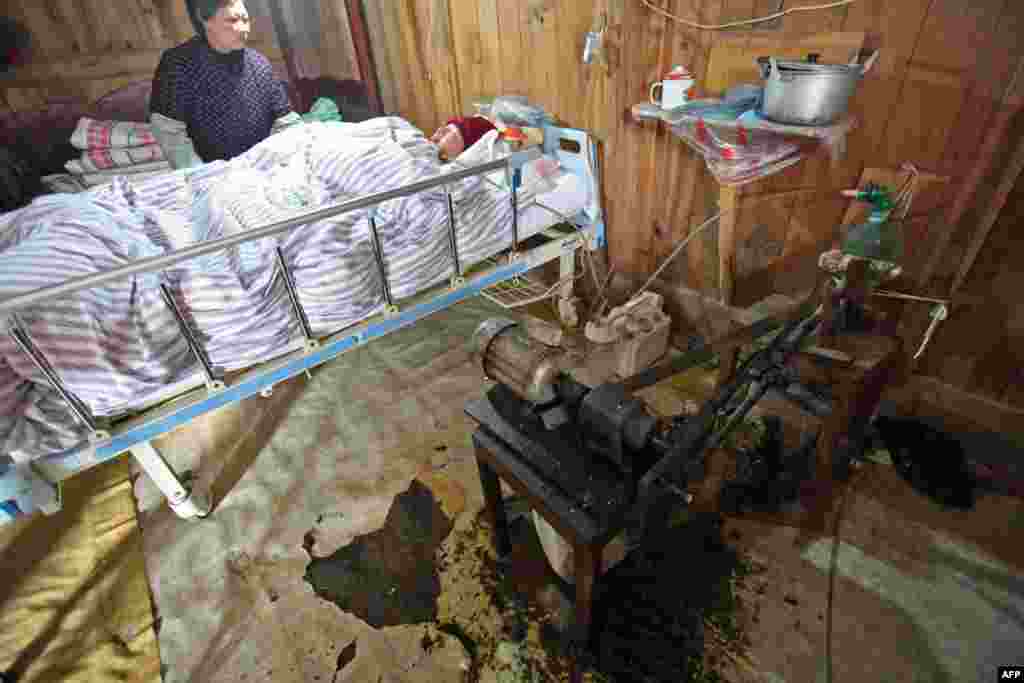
157	263
136	433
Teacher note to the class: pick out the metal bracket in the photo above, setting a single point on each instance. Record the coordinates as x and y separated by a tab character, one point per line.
99	436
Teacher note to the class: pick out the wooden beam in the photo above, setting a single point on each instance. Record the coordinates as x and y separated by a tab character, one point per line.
923	395
99	67
1011	104
364	52
991	215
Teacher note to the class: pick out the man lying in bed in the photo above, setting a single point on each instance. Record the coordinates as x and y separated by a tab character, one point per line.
119	347
459	134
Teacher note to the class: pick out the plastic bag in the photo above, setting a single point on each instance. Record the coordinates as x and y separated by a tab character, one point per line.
515	110
736	155
324	110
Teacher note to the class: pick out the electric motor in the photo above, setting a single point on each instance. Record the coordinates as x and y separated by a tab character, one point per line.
508	356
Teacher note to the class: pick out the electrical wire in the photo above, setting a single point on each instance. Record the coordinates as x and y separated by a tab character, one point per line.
832	569
745	202
547	294
744	22
679	248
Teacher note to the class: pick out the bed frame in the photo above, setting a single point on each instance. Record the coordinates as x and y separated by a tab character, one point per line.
577	153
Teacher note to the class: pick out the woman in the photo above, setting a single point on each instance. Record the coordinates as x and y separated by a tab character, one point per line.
214	98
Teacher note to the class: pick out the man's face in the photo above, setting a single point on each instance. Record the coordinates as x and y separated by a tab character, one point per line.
449	141
228	29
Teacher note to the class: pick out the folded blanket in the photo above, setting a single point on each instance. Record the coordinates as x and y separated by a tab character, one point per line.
93	160
93	134
138	172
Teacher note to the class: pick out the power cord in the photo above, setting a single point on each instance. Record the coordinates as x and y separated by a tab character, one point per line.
744	22
833	567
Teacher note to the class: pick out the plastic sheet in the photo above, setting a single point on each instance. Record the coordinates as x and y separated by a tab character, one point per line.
737	155
514	110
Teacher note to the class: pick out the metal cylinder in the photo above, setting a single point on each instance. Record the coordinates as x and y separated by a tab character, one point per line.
507	356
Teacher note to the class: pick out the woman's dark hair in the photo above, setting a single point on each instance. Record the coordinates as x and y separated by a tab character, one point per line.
201	11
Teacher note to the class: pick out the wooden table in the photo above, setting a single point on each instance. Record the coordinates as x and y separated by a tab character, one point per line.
585	499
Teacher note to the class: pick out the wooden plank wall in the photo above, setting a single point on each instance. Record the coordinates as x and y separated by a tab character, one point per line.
88	48
945	69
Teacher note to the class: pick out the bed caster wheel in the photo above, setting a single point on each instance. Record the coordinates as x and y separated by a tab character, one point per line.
195	505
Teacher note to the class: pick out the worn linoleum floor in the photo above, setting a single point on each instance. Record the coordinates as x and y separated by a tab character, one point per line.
921	594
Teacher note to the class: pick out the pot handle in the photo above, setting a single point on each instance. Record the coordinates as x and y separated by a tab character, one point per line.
870	63
768	66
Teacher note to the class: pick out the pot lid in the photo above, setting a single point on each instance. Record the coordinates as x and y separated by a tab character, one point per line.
811	66
819	68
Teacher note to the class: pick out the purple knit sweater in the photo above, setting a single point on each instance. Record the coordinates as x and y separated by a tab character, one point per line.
229	102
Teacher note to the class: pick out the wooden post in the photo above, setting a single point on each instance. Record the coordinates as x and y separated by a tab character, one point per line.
364	52
991	215
728	203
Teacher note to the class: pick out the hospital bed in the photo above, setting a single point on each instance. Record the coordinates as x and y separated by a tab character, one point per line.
550	228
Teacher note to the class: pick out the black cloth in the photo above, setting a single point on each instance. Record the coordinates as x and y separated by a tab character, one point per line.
229	102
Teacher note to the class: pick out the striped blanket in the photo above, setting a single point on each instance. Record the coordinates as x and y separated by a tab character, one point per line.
118	347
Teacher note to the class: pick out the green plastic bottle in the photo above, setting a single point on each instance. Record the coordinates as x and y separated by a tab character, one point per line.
878	239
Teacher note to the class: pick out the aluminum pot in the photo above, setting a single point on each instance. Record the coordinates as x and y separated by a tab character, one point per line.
809	93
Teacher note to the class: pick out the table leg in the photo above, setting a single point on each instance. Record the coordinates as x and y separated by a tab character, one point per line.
495	508
588	567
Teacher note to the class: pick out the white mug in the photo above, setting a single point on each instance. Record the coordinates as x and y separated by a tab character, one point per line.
673	92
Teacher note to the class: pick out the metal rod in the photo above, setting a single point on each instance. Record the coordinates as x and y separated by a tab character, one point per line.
378	252
452	236
193	343
293	296
157	263
20	334
517	176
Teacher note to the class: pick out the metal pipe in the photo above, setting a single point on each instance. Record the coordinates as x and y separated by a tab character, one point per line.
186	332
186	503
378	253
293	296
22	338
452	236
157	263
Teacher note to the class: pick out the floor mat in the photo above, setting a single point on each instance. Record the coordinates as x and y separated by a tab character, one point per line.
300	475
74	602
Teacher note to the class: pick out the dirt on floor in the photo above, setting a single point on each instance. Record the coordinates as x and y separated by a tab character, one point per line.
317	481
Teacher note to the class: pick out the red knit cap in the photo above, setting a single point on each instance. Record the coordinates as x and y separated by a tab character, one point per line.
472	128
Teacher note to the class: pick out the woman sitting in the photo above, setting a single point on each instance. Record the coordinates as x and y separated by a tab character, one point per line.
214	98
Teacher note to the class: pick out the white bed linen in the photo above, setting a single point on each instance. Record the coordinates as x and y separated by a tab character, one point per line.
119	349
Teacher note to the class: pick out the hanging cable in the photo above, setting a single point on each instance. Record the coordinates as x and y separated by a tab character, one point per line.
743	22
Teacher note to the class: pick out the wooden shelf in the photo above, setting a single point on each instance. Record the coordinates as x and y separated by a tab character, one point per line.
833	138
